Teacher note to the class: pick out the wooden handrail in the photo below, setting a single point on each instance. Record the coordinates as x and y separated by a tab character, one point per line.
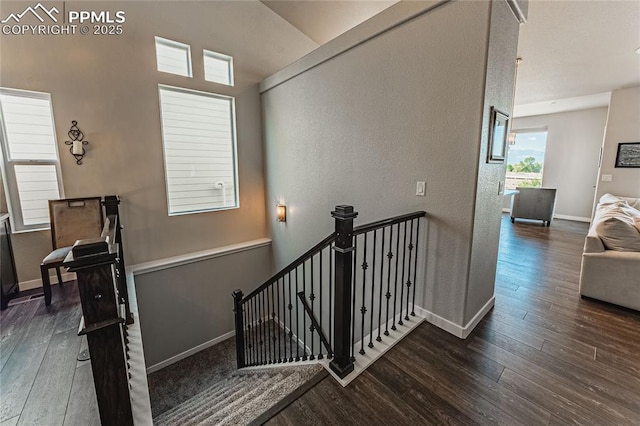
293	265
329	239
386	222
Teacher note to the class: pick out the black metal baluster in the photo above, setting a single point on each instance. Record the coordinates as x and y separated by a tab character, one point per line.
312	297
282	311
282	323
379	338
304	316
320	355
331	301
265	318
256	329
388	294
254	342
353	299
363	309
406	316
265	325
297	322
247	344
404	258
290	307
276	325
265	341
247	305
395	281
415	267
259	327
373	287
274	329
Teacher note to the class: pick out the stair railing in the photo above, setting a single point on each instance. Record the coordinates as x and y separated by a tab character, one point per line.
307	311
100	272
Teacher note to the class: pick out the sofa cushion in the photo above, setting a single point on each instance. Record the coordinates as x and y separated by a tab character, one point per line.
610	199
616	227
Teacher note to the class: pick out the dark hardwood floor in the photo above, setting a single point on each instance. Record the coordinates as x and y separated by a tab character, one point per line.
41	381
543	355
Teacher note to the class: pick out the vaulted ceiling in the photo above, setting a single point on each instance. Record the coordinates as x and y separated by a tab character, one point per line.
574	52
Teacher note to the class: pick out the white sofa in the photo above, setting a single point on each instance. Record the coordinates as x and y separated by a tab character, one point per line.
611	258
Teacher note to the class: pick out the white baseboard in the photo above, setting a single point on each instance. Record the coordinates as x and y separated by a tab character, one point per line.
53	279
372	354
190	352
450	327
574	218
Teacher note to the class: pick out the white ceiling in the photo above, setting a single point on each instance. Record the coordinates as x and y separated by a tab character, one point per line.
324	20
574	52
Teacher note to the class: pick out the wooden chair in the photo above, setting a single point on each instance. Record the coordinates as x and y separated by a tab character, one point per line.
71	220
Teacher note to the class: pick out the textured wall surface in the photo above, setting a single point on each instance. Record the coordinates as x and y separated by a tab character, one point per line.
571	159
364	126
109	84
500	74
623	125
186	306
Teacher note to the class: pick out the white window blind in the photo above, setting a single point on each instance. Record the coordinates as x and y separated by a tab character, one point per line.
36	185
30	156
218	68
198	131
173	57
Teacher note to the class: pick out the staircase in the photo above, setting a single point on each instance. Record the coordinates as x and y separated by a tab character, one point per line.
240	398
343	303
335	309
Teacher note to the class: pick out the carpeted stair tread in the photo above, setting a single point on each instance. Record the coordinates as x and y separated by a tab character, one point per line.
207	388
225	407
261	403
215	393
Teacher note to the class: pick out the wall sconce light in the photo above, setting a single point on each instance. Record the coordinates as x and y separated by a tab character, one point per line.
281	213
511	138
77	142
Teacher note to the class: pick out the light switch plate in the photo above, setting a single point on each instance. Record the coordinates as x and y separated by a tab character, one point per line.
421	189
606	178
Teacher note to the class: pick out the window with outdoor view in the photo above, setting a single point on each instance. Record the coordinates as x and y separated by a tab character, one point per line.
525	160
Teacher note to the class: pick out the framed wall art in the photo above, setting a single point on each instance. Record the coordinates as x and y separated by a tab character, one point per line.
628	155
498	128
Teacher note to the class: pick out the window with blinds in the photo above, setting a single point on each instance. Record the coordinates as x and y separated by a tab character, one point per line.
30	156
198	131
218	68
173	57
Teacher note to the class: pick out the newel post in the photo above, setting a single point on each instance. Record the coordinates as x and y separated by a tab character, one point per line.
239	320
342	363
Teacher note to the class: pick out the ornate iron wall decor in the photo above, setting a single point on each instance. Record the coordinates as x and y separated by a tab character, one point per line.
77	142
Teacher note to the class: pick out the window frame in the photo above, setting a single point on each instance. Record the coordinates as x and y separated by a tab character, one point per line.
234	143
8	165
529	130
176	44
221	56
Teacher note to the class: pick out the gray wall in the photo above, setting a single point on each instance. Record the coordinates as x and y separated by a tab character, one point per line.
186	306
366	123
500	77
109	84
623	125
571	158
